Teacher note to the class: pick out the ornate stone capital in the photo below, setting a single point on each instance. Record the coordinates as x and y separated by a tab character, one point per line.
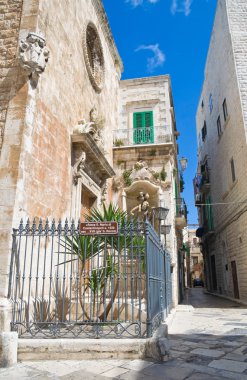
33	55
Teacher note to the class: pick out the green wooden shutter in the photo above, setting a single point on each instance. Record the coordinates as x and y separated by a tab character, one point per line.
143	127
138	125
176	197
149	131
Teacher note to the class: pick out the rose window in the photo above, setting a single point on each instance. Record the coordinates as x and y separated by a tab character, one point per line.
94	58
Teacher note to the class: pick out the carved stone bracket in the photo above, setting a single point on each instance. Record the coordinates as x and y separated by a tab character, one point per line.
78	166
33	55
104	192
96	166
90	128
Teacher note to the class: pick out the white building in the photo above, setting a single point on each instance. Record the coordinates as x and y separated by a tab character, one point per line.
145	159
221	181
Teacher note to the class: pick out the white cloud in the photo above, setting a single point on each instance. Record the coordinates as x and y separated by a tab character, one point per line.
181	6
136	3
158	58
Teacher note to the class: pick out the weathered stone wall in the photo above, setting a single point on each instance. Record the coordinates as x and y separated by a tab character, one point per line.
36	178
150	94
64	96
237	16
10	16
224	79
14	97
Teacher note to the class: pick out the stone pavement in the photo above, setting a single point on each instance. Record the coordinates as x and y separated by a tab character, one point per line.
208	338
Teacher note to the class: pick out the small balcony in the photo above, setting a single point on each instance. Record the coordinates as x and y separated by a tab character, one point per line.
181	213
142	136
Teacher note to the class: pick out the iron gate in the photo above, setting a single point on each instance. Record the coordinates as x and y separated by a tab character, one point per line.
63	284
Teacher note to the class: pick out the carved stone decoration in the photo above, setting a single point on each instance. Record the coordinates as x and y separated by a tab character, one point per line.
143	207
104	193
94	58
93	114
88	127
33	55
141	172
117	183
79	161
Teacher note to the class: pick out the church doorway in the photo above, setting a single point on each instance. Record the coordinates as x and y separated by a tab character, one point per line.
88	201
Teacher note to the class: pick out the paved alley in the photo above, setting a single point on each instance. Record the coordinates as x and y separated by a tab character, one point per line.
208	339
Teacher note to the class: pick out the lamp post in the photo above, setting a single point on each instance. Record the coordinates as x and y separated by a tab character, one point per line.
160	213
165	230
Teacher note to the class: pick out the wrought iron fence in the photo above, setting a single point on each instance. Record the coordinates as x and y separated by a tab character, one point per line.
63	284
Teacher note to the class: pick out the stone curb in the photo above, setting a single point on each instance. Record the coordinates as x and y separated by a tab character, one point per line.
156	347
226	298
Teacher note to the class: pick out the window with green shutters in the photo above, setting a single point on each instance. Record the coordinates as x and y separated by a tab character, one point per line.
143	127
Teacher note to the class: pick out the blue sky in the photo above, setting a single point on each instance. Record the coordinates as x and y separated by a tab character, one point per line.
157	37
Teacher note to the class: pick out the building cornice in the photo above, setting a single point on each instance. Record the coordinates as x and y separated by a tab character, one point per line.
151	79
100	11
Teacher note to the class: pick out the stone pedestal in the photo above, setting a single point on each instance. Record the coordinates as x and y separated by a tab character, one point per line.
5	314
8	349
8	340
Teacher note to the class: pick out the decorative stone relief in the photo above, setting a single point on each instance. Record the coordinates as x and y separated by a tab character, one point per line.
141	172
33	55
94	58
79	158
143	207
88	127
117	183
104	193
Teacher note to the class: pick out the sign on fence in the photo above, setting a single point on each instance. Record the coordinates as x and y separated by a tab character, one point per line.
98	228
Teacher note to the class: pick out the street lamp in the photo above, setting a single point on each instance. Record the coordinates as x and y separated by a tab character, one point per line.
160	213
165	230
183	163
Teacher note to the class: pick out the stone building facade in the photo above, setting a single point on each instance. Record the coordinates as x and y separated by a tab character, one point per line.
50	95
61	101
145	159
221	181
193	257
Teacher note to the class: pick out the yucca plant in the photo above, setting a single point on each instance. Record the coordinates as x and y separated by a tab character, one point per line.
85	249
62	301
112	244
97	283
81	250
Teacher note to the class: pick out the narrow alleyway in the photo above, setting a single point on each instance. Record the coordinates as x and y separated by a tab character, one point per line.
208	339
209	335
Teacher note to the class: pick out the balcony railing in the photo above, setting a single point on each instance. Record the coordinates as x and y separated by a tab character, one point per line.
140	136
180	213
181	208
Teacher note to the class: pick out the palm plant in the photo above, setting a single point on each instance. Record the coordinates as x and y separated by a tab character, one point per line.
109	248
112	244
81	250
